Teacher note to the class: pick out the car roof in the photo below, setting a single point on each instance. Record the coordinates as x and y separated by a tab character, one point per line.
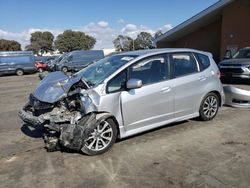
160	50
86	51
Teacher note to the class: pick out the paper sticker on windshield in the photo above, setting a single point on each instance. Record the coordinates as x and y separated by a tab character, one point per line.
127	58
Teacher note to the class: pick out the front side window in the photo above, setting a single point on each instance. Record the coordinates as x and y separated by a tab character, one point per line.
183	64
150	70
117	83
70	58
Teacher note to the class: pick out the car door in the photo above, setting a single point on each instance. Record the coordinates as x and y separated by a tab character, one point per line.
3	65
81	61
8	64
152	103
188	83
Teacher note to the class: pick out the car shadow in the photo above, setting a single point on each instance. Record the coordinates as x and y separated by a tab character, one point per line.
175	124
33	131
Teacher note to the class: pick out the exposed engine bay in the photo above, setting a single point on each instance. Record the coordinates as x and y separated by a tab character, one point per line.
68	119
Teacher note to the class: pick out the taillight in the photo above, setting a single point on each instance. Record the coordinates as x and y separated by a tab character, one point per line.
218	75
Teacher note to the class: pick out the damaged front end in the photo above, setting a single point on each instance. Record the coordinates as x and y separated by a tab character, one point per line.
62	106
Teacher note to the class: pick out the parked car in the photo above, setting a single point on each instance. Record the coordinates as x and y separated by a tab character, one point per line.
76	60
123	95
52	63
17	62
43	63
237	66
41	66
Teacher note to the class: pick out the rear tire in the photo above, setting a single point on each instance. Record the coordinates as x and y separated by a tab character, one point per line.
100	141
19	72
209	107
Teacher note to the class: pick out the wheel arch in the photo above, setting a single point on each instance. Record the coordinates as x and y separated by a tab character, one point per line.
218	95
106	115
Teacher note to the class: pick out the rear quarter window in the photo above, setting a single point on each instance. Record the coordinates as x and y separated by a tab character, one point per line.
203	60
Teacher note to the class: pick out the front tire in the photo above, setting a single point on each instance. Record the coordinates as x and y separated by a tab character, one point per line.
101	139
209	107
64	69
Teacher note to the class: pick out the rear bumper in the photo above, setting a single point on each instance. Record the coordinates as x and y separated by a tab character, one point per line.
236	97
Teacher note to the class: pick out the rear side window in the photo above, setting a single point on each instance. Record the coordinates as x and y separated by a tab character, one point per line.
203	60
183	64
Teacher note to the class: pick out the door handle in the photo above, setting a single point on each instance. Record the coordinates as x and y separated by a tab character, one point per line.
202	78
166	89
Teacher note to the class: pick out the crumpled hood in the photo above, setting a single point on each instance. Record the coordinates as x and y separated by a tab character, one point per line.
54	87
235	62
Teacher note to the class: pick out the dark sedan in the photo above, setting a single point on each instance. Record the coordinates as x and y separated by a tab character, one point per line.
238	66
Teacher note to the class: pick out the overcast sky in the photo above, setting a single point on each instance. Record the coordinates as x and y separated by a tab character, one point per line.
103	19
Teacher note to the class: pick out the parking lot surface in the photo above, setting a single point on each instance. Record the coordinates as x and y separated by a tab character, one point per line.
186	154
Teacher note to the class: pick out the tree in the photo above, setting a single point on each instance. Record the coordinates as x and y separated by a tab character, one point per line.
143	41
74	40
9	45
41	42
158	33
123	43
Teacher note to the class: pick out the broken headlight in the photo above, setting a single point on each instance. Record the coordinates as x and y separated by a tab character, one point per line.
39	105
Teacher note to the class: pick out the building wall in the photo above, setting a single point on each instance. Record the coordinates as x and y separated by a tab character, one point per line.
235	30
206	38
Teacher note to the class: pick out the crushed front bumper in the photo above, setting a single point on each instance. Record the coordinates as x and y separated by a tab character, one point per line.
236	97
29	118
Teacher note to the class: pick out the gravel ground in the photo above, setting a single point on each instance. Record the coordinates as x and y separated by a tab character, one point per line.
186	154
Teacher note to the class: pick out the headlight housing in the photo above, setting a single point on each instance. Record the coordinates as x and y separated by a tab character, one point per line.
39	105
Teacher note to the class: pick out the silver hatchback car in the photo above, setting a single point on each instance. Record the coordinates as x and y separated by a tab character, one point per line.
122	95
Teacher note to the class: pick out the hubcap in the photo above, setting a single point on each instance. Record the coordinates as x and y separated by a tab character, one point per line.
100	137
64	69
19	72
210	106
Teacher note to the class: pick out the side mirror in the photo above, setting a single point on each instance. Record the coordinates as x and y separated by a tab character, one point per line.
133	83
228	54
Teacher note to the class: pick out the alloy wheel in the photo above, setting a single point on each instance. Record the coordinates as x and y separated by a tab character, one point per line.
19	72
100	137
210	106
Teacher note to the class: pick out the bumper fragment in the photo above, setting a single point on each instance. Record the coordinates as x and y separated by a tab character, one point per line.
28	117
236	97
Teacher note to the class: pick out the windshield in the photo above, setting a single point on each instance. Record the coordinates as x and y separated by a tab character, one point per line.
100	70
242	54
61	58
